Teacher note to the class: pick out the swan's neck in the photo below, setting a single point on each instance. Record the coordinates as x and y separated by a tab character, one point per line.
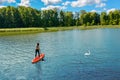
89	52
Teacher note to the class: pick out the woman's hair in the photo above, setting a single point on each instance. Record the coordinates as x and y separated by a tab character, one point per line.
37	43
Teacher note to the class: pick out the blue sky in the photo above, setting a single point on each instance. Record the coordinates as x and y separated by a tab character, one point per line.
66	5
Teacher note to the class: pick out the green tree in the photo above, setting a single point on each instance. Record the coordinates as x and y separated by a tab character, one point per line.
76	18
114	17
95	18
62	18
68	19
82	15
103	18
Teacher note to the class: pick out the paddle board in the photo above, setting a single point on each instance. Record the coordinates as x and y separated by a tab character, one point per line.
37	58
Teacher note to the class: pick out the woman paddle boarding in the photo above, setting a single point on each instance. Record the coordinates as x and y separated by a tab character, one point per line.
37	50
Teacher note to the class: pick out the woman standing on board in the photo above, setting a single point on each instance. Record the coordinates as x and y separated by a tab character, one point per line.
37	50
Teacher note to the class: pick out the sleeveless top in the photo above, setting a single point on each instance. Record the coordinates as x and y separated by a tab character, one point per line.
37	47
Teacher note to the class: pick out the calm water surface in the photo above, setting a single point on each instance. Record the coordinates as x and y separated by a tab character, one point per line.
64	55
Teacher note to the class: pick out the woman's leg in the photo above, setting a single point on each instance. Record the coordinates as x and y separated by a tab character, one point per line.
38	53
35	53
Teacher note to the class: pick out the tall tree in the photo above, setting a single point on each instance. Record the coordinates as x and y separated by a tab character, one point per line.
114	17
76	18
82	14
62	18
95	17
103	18
68	19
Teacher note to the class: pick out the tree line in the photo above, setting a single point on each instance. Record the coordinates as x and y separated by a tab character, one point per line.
16	17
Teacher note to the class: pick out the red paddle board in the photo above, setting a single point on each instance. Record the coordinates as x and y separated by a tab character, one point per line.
37	58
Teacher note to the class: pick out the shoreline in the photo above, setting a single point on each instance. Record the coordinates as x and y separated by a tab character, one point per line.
99	27
17	31
14	31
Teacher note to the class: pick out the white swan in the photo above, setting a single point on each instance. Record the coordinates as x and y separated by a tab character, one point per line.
87	53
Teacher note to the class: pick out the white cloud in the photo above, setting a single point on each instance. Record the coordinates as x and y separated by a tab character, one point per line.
77	3
97	11
25	3
93	11
47	2
2	6
101	5
81	3
66	3
104	9
109	10
53	7
1	1
9	1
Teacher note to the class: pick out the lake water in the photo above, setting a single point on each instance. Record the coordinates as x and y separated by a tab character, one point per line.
64	55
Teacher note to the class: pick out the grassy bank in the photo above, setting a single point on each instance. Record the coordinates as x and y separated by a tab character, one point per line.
10	31
97	27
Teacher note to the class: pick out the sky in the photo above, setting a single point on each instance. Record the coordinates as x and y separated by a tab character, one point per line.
66	5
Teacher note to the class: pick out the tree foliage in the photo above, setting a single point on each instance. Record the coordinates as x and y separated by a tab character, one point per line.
13	17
